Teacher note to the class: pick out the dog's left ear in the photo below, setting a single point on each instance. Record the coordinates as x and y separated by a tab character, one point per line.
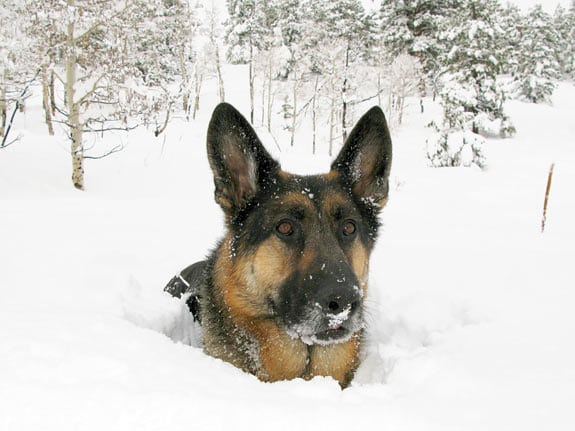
240	163
364	161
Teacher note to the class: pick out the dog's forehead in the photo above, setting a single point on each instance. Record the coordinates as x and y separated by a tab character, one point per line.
317	193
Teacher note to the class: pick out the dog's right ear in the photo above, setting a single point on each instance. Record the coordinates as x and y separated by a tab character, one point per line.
240	163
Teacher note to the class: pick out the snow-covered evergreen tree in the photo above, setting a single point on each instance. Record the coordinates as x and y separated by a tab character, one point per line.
471	96
564	21
293	25
474	61
413	27
537	67
511	21
158	57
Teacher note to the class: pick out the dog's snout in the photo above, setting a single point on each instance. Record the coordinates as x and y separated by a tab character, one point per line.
340	300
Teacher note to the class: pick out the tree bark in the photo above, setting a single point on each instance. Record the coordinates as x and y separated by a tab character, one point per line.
263	101
76	147
46	98
379	89
185	83
331	124
314	114
269	110
3	110
52	93
219	72
199	78
294	116
251	78
344	96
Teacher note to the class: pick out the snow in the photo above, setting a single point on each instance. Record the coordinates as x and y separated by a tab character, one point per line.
470	307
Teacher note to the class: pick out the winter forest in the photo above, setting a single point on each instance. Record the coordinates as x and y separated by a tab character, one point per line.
116	65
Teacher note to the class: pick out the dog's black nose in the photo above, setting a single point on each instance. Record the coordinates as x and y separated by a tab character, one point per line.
335	301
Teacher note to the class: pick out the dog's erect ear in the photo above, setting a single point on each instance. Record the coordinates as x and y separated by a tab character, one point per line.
364	161
240	163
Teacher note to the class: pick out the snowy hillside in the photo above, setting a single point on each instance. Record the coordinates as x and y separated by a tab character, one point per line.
471	320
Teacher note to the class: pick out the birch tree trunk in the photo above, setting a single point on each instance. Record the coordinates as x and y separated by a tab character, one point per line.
46	98
52	93
76	147
3	108
269	107
314	114
219	72
344	89
294	116
185	83
263	101
331	124
199	78
251	78
379	89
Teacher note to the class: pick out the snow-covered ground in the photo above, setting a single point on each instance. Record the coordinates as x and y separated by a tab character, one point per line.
471	307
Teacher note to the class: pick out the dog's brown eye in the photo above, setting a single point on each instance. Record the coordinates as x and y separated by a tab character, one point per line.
285	228
349	228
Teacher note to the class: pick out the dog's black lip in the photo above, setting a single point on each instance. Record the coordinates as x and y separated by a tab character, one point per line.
332	334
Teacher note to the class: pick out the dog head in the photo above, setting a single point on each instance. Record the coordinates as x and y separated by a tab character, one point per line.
299	245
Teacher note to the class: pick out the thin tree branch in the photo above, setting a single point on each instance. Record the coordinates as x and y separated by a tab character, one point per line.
16	107
110	129
13	141
94	88
159	130
116	149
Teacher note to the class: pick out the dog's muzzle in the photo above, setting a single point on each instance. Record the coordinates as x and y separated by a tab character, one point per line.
333	317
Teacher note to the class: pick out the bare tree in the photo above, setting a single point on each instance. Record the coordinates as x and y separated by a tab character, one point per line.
214	32
16	66
403	80
112	72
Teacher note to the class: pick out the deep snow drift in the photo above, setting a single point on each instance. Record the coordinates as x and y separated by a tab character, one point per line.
470	305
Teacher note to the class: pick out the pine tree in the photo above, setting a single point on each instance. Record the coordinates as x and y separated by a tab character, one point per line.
413	27
157	57
537	67
473	62
471	96
564	21
511	23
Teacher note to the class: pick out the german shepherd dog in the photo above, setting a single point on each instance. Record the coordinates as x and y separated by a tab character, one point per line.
282	296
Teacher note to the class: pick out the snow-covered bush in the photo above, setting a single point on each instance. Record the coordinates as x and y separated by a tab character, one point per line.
455	148
535	87
478	108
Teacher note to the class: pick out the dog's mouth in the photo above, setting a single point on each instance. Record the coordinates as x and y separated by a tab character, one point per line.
326	329
331	336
